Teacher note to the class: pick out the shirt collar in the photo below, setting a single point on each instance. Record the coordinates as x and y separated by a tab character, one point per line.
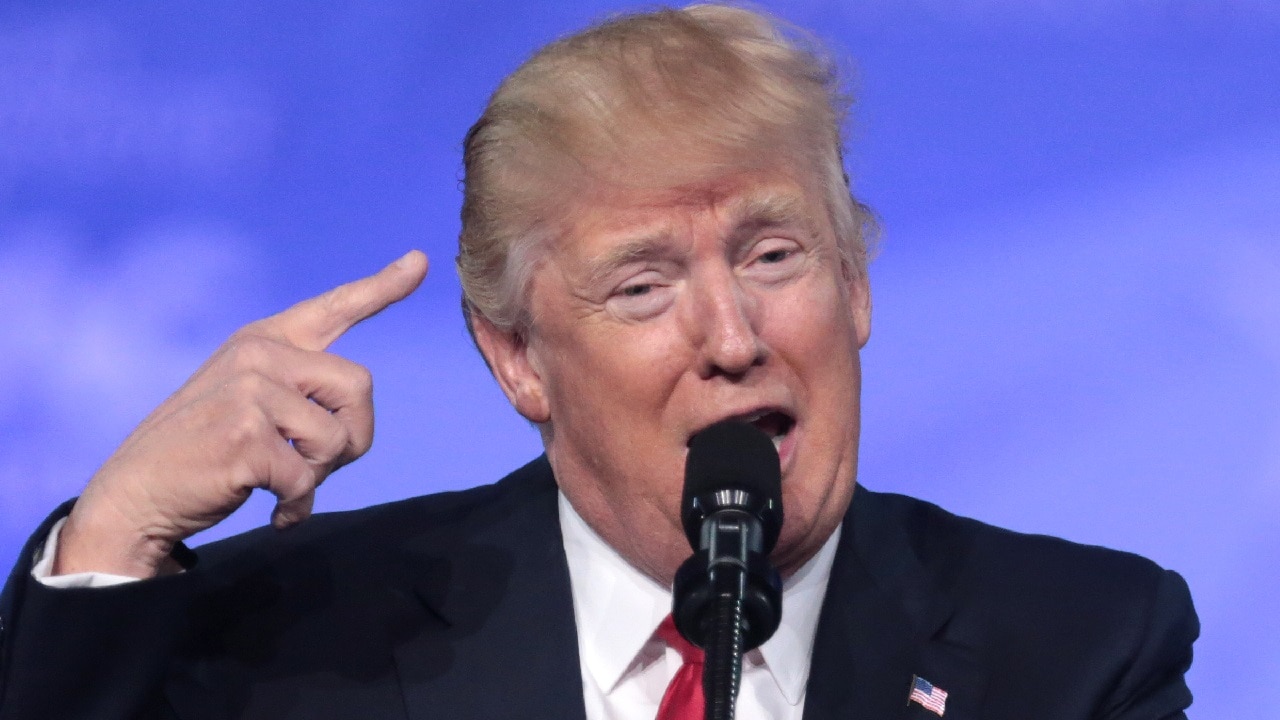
617	609
789	652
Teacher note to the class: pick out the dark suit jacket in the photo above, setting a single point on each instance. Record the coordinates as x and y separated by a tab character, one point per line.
458	606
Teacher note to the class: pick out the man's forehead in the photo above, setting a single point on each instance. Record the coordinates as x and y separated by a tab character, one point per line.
643	217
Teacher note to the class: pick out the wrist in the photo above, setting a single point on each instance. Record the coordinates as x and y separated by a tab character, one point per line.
101	542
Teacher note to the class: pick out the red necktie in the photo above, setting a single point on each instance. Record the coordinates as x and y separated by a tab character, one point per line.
683	699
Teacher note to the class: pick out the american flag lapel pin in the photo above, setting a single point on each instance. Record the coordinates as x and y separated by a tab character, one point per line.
931	697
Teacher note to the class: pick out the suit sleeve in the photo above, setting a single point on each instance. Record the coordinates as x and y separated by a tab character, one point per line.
1154	685
87	652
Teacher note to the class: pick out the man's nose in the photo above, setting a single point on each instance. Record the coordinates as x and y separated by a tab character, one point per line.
727	320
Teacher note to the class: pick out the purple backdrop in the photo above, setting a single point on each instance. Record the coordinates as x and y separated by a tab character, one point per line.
1077	325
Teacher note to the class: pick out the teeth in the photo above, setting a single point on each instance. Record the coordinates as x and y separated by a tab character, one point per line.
777	428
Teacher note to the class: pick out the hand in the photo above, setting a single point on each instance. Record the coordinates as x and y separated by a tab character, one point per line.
270	409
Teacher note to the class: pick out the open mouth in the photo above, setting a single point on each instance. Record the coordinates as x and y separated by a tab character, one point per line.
774	423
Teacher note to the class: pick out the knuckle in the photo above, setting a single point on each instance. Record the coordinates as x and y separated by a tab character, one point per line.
303	482
245	351
247	385
362	380
293	478
335	302
338	442
247	428
358	424
319	475
325	450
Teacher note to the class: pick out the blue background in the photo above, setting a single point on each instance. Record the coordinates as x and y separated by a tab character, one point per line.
1077	302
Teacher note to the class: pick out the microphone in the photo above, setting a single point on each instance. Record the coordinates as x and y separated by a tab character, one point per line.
727	598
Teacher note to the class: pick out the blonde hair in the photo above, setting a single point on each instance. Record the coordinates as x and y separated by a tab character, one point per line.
648	100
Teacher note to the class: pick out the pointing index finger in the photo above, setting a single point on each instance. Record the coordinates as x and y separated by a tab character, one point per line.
315	323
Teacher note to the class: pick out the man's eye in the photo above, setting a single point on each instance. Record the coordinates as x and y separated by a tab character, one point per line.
774	256
636	290
638	300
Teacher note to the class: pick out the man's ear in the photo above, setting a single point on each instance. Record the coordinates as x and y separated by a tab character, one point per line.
517	373
860	304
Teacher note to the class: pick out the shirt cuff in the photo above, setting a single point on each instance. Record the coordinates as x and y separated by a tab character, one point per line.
42	567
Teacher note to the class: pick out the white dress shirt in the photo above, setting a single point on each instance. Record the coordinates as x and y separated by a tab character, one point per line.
42	567
625	669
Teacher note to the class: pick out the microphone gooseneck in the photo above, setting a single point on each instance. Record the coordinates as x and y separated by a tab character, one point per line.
722	668
727	598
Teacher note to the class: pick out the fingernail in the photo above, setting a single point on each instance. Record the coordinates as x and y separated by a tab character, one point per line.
403	261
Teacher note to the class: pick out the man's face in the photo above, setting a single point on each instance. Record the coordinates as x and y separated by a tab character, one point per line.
657	314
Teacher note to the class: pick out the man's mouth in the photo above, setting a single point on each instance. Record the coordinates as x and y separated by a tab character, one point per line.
774	423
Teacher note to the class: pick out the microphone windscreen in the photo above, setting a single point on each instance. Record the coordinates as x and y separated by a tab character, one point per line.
732	455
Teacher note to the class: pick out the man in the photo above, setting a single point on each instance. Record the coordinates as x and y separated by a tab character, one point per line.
657	235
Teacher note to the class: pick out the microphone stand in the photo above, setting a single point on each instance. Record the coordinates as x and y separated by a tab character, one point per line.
722	668
729	600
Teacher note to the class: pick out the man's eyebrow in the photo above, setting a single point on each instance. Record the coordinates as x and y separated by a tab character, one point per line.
770	210
650	246
750	214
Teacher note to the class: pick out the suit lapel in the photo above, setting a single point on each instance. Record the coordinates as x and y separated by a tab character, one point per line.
883	621
489	630
486	627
